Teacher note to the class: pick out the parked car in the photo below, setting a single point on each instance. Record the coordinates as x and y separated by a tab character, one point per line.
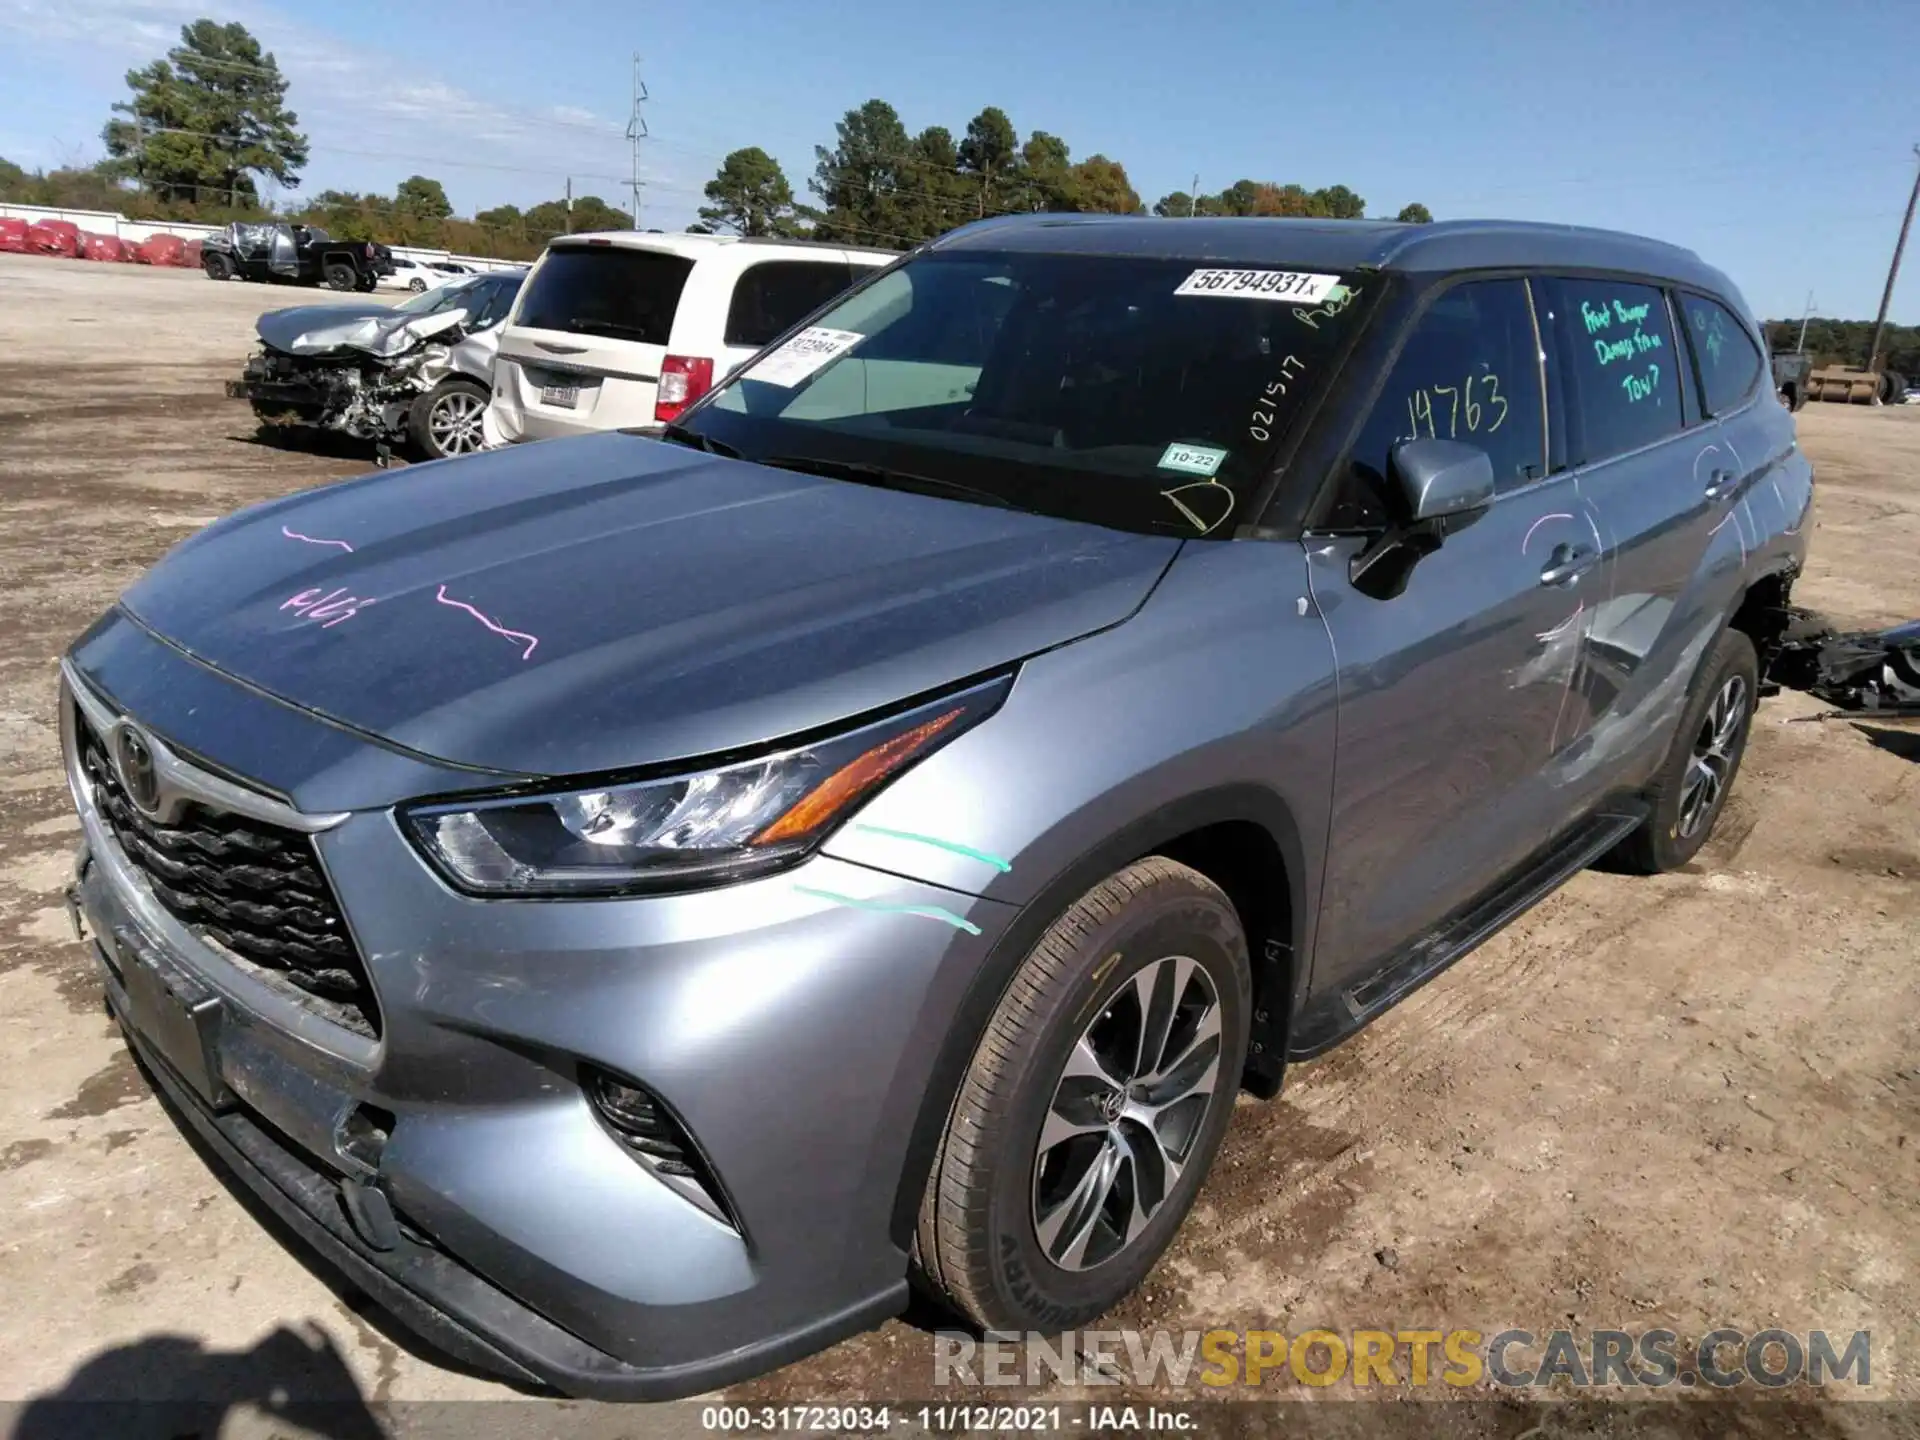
411	374
627	329
451	267
633	905
293	255
414	275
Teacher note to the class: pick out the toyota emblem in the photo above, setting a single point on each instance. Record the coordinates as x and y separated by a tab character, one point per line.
133	761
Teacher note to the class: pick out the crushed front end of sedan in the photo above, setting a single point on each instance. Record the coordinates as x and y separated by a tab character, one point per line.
413	374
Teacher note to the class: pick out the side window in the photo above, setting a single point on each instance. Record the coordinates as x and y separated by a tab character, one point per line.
1470	371
1622	365
775	295
499	301
1729	361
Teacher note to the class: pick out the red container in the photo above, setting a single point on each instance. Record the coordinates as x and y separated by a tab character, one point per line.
13	236
54	237
161	250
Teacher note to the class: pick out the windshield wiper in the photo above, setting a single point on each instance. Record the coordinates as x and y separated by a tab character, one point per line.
587	325
887	478
681	435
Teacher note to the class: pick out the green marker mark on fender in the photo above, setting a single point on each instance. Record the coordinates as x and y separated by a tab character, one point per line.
967	850
879	907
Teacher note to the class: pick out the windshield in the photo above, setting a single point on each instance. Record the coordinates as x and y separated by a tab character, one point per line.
448	296
1147	394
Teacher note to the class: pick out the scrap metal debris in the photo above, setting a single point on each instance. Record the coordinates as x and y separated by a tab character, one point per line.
1863	671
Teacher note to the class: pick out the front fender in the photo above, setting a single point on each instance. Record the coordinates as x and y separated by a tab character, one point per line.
1215	703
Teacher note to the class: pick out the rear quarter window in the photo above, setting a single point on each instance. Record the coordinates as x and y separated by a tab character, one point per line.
1730	363
1620	361
610	291
772	297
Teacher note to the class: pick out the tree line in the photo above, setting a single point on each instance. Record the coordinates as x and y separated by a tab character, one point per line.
879	186
1844	342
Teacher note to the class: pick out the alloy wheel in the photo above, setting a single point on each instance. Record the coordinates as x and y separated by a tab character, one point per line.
1715	752
1126	1112
454	423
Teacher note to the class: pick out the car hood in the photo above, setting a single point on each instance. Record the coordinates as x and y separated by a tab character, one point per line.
592	604
325	327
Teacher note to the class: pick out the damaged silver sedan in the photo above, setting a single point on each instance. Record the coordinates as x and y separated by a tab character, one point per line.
416	375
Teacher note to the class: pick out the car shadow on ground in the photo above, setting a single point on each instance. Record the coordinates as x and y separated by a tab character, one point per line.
292	1375
1903	743
311	440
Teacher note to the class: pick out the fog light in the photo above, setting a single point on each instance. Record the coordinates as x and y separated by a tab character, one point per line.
647	1130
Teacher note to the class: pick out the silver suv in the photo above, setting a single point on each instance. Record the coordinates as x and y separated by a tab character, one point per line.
636	906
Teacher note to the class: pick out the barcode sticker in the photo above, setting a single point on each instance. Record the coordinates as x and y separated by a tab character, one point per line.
1294	287
802	355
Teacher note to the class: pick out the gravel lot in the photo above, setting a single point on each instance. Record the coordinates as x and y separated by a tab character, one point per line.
1688	1102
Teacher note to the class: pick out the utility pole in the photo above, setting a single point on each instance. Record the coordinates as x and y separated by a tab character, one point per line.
1893	272
1193	198
569	205
1801	348
636	132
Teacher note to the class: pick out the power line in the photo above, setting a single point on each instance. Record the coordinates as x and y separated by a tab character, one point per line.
636	132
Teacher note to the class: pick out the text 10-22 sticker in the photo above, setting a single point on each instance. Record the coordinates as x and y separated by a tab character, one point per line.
1294	287
1192	459
802	355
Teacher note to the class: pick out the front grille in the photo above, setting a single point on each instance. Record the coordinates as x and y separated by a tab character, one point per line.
252	888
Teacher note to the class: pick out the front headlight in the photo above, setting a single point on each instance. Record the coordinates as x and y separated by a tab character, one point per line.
683	832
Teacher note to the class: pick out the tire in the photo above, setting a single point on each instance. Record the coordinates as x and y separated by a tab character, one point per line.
218	267
446	420
1713	732
338	275
417	285
366	283
995	1241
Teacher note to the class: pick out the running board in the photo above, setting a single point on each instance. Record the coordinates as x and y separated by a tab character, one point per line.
1327	1021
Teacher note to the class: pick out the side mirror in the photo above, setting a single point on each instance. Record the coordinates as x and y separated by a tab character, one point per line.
1438	478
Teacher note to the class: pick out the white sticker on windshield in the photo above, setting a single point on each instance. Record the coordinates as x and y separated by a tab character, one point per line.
1292	286
1192	459
802	355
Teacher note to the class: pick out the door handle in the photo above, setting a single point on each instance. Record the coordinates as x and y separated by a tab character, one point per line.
1720	483
1567	564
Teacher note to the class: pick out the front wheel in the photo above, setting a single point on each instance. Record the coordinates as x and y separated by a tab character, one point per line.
339	275
1093	1107
446	420
218	267
1690	791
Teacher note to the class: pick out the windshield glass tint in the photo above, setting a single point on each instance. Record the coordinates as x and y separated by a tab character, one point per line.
1148	394
606	290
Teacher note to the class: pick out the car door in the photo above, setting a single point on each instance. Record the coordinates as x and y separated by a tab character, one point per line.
1454	690
1659	479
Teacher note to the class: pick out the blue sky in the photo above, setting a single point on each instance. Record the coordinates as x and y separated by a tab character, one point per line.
1772	138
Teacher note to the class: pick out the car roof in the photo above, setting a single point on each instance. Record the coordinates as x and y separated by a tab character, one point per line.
1341	245
693	247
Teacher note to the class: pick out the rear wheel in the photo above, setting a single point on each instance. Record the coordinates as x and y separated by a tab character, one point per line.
218	267
1093	1107
1691	789
417	285
339	275
446	420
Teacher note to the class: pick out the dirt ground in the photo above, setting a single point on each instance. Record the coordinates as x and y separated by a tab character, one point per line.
1688	1102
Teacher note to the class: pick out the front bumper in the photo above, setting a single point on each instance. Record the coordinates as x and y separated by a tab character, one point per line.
792	1036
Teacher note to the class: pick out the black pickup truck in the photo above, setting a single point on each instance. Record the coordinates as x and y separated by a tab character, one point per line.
293	255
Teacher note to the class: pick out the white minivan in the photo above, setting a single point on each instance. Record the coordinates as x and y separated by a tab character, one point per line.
626	329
